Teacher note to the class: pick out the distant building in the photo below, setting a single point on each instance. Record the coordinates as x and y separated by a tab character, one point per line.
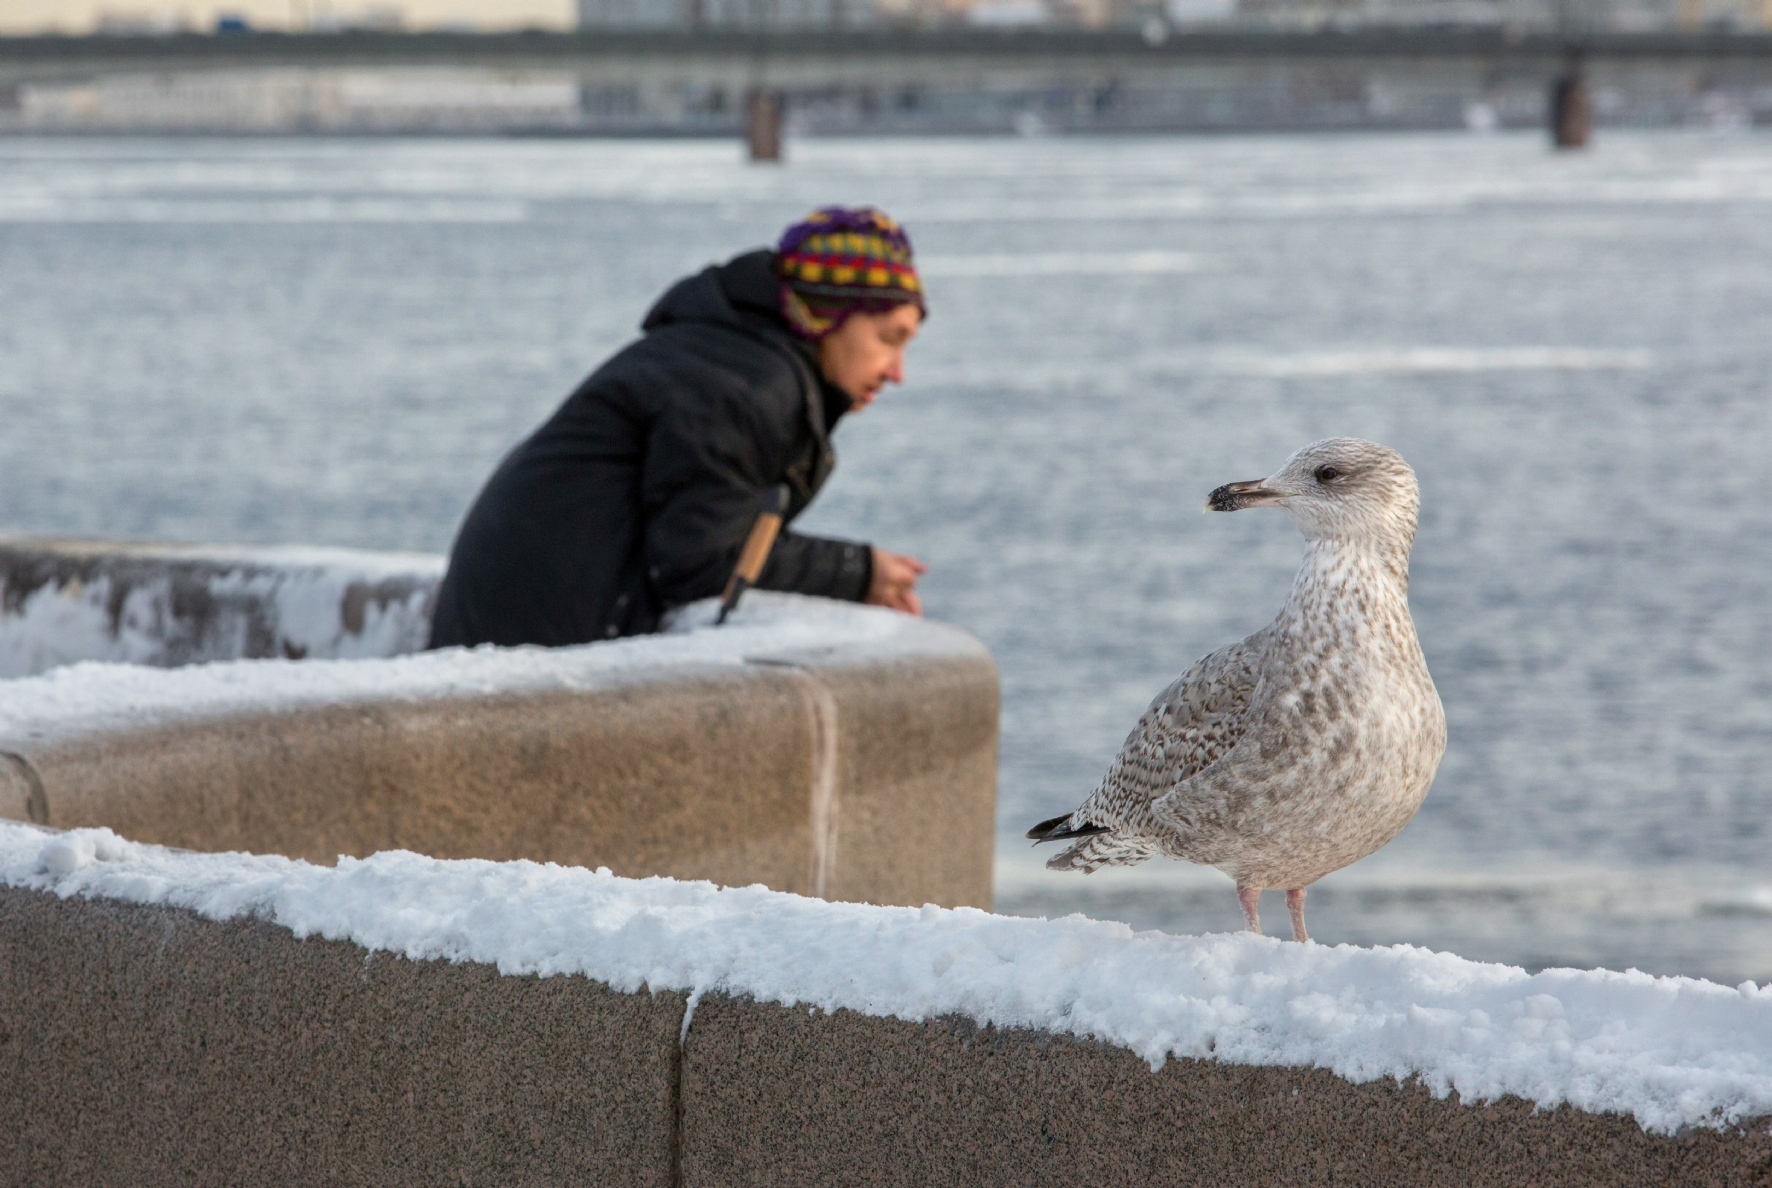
726	14
1564	15
158	17
1570	15
298	100
634	14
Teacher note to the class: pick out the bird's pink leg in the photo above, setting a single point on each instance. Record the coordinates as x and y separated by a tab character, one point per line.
1295	905
1250	898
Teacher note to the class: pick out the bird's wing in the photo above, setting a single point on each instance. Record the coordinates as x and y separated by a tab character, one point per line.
1190	725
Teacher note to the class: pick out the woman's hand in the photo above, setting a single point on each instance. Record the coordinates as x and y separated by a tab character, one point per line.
894	582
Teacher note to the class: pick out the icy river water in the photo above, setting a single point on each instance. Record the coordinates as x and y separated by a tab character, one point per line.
333	342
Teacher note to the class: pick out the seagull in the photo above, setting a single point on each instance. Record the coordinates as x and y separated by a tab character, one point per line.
1308	745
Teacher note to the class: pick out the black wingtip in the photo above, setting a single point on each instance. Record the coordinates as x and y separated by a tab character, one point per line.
1053	830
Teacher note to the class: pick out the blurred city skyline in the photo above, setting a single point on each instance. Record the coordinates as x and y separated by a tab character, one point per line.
952	80
164	17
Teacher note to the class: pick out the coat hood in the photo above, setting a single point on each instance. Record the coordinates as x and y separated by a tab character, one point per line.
744	294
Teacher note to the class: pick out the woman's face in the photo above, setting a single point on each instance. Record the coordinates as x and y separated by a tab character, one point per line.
866	352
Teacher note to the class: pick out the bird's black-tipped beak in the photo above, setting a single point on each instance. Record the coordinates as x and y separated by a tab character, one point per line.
1237	496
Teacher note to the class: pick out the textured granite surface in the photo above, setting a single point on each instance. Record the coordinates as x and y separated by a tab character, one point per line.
144	1046
780	1096
866	781
916	780
147	1046
604	777
862	767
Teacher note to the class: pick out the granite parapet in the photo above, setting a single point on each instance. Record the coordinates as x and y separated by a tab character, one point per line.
145	1045
776	1095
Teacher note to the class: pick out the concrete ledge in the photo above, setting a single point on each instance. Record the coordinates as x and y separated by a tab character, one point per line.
144	1045
852	777
816	747
779	1096
820	748
636	776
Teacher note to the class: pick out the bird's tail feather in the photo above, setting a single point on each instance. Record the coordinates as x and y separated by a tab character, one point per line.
1104	848
1060	829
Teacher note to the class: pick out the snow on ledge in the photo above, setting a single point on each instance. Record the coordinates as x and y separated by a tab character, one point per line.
1673	1052
128	602
94	696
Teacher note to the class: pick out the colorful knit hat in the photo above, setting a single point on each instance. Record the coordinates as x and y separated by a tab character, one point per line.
839	260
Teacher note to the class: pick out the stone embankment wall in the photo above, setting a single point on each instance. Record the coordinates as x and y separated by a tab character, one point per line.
821	748
146	1045
182	1018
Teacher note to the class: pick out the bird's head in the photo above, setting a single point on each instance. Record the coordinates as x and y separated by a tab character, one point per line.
1341	488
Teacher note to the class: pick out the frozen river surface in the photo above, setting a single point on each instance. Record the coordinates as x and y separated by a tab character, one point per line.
333	342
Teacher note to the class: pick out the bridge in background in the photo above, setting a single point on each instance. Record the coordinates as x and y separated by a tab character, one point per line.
876	81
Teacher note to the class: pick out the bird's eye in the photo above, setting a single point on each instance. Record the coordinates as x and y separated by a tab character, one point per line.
1327	474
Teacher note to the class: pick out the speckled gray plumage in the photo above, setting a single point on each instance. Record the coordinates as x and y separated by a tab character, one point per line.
1311	743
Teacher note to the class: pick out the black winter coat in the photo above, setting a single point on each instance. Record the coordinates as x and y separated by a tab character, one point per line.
637	495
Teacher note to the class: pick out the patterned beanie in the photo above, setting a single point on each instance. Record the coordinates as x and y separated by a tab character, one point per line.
839	260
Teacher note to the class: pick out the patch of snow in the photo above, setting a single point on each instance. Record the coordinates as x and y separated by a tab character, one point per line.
54	626
317	603
88	697
1672	1052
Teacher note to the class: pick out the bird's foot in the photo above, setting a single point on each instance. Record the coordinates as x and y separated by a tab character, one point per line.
1295	905
1250	898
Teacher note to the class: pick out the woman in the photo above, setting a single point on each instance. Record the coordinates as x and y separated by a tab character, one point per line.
636	496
